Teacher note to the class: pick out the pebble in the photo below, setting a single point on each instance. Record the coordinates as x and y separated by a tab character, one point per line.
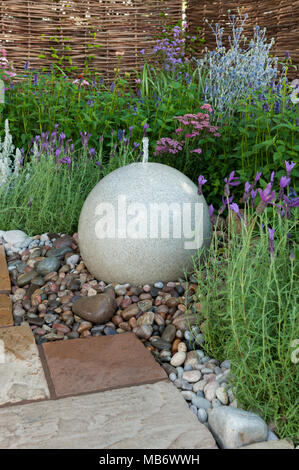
225	364
199	386
159	285
178	359
47	265
160	344
188	395
210	390
202	415
222	395
98	308
200	402
169	333
192	376
144	331
193	409
172	376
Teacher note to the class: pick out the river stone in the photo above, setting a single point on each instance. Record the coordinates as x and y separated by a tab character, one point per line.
47	265
25	278
15	238
97	308
234	428
178	359
169	333
119	205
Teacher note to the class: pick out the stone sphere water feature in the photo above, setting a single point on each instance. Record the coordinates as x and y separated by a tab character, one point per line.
138	225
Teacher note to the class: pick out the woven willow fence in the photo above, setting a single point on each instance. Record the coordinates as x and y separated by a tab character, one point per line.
280	17
102	33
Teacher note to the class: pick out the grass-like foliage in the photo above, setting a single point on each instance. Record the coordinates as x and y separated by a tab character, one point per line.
48	194
248	288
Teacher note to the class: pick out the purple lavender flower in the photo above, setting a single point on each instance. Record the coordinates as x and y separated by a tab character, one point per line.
253	194
224	203
234	207
232	180
35	79
289	167
112	87
30	202
271	240
142	51
257	177
201	182
92	152
246	192
266	197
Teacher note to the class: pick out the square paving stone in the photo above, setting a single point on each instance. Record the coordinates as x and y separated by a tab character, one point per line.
6	318
21	372
5	286
153	416
99	363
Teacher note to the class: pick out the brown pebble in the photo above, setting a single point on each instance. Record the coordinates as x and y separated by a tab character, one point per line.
119	300
61	328
130	312
117	319
145	296
175	344
125	326
159	319
84	325
133	322
162	309
126	302
85	334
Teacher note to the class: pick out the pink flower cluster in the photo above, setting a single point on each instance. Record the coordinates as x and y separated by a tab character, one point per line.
4	65
166	145
192	126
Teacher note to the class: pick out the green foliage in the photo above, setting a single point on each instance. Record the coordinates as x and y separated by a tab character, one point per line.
249	308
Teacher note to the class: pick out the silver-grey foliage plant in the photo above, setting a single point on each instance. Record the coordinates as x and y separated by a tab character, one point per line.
228	74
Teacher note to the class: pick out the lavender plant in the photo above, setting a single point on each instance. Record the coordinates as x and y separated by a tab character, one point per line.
247	287
227	74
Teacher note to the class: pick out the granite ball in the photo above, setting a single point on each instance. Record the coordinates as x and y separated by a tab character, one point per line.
137	225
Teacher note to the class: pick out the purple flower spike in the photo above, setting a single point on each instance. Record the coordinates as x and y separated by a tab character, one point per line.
257	177
232	180
30	202
289	167
234	207
201	182
271	240
284	182
266	196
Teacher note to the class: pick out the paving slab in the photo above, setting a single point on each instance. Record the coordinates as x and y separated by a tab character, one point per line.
153	416
99	363
271	445
6	318
5	285
21	372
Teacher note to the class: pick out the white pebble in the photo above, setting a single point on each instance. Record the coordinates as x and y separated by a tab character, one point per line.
178	359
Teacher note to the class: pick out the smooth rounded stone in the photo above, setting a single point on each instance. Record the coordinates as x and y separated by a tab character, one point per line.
169	369
165	356
130	312
182	347
210	390
186	386
188	336
144	331
225	364
58	252
199	386
192	376
146	319
192	359
271	436
216	403
73	259
98	308
50	318
193	409
222	395
205	359
200	402
187	367
38	281
178	359
15	238
109	331
26	278
18	295
234	428
230	394
62	242
200	394
172	377
207	370
180	371
145	305
169	333
151	257
160	344
97	330
202	415
188	395
159	285
200	353
47	265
